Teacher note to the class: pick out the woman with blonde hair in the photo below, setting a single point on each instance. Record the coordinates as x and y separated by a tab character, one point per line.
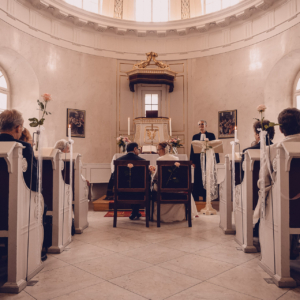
168	212
26	136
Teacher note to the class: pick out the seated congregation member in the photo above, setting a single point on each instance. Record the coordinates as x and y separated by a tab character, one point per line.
133	154
198	189
168	212
289	120
11	127
269	138
62	145
26	136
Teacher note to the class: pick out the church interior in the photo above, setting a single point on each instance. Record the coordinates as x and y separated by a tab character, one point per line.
150	149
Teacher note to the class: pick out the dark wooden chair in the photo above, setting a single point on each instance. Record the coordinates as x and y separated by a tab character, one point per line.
132	185
174	186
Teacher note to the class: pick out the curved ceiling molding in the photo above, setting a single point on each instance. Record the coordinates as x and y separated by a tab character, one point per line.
244	24
223	18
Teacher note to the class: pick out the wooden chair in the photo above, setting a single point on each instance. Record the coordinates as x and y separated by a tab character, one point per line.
131	185
224	176
174	186
281	215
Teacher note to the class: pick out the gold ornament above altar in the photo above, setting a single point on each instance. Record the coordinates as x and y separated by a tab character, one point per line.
160	75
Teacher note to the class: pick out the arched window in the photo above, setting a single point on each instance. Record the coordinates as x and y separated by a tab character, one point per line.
297	92
94	6
152	10
4	91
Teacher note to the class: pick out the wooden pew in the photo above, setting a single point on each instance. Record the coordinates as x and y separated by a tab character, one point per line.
80	191
56	196
224	178
246	200
283	208
14	216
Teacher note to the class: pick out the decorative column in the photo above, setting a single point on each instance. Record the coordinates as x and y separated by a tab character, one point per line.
185	9
118	9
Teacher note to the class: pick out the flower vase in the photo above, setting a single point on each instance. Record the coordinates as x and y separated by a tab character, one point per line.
122	149
175	151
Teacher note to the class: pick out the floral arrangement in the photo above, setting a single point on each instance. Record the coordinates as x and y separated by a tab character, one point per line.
206	147
130	166
175	143
42	107
122	141
152	169
261	108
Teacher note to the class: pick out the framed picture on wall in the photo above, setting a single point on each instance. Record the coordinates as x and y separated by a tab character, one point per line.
227	121
76	118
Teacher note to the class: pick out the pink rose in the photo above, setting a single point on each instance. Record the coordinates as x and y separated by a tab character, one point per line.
261	108
177	164
46	97
152	169
118	138
130	166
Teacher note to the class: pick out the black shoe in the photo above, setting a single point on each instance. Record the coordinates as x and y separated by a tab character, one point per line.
132	216
138	216
44	256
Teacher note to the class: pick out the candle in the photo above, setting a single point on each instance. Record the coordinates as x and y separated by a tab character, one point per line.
128	126
69	131
170	127
235	134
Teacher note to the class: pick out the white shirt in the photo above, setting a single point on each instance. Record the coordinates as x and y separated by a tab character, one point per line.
202	137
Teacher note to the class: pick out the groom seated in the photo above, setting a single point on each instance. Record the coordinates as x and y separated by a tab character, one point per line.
133	154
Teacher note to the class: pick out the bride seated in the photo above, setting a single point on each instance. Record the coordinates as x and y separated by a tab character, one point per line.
168	212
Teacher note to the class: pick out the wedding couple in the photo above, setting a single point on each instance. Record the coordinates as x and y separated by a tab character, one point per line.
168	212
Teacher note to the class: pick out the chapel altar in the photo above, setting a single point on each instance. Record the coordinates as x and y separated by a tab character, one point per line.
151	131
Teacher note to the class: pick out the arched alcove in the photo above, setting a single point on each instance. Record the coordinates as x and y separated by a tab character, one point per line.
278	91
24	85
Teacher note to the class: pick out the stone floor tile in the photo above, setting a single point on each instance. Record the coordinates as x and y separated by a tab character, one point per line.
197	266
53	263
205	290
60	281
155	283
154	254
22	296
112	266
227	254
248	281
293	294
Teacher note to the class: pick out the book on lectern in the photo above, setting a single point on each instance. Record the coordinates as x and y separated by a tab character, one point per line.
149	149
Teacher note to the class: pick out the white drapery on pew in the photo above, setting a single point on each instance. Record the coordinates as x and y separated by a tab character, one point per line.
224	175
80	192
18	198
246	194
280	219
58	200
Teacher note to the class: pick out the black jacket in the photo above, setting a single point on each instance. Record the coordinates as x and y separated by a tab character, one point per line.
195	157
28	155
130	156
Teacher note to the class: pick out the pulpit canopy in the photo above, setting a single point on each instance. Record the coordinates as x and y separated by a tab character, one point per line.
160	75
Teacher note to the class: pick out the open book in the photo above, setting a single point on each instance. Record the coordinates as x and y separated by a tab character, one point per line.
149	149
217	146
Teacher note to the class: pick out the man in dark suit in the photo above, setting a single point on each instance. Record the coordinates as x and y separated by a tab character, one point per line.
11	127
198	189
133	154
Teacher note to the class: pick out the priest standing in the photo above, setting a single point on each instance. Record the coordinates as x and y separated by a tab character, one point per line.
198	189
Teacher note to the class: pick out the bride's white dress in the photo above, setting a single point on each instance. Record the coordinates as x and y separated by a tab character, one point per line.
172	212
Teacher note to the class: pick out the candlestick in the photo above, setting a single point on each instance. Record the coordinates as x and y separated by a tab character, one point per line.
69	131
128	126
170	127
235	134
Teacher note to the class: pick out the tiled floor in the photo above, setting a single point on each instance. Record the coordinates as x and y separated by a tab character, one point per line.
134	262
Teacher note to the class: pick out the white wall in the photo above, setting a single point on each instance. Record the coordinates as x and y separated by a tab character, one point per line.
240	79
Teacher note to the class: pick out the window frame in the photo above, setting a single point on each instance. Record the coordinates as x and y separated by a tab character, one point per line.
152	13
203	4
100	6
295	92
5	91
